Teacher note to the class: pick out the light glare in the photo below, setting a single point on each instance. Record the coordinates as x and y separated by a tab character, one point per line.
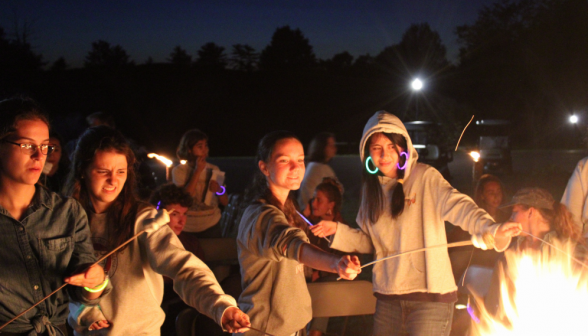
475	155
416	84
573	119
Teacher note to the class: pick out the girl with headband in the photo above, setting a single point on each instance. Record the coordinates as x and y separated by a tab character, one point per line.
404	207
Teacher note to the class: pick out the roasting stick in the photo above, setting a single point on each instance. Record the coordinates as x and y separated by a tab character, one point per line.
462	132
462	243
259	331
467	243
65	284
557	248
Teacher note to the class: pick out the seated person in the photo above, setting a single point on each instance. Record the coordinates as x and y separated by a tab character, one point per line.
178	200
195	177
545	222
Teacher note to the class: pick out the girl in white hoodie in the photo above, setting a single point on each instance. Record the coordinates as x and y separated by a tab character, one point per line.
404	206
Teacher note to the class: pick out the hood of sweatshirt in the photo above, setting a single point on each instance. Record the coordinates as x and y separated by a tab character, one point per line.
385	122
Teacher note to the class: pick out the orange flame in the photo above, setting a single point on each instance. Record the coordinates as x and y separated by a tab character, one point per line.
542	293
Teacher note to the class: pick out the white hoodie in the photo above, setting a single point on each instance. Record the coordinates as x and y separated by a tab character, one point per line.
430	200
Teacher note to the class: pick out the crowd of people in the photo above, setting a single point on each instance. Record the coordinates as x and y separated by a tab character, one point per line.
61	212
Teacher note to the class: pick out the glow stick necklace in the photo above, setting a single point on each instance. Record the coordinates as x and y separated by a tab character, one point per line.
309	223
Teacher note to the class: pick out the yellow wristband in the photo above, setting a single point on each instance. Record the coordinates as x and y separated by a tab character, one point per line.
98	288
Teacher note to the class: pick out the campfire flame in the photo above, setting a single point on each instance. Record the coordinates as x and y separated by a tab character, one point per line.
550	295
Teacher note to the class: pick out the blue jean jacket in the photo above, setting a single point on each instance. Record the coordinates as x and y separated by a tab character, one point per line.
51	242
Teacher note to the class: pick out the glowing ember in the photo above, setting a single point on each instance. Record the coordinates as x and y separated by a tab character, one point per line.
550	296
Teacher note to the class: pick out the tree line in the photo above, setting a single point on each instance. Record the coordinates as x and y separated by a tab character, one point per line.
525	61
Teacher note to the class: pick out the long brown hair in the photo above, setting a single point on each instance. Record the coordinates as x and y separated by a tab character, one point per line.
561	221
259	188
122	212
372	190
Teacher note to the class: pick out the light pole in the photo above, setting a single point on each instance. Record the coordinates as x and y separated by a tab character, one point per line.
416	86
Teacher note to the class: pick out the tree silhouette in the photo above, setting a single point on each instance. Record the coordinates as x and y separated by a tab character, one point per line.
420	51
180	57
17	54
59	65
211	56
364	60
244	58
105	55
288	49
526	61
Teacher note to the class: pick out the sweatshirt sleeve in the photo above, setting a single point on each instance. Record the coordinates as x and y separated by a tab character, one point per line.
193	280
574	196
270	236
459	209
351	240
179	176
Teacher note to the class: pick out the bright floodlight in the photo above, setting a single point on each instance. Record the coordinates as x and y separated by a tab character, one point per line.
416	84
573	118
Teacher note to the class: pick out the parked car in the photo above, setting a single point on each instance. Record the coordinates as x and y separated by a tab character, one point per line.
431	144
492	148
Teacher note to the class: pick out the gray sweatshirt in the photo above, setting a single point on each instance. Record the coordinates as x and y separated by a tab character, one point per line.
133	307
274	295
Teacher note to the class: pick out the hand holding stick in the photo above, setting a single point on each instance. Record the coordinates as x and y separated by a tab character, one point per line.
462	243
153	225
309	223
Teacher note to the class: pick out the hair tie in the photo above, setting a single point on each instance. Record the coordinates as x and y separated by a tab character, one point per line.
401	181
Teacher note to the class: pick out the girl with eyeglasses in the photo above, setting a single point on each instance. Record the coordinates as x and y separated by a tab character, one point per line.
45	237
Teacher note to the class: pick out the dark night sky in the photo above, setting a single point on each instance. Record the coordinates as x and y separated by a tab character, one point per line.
154	28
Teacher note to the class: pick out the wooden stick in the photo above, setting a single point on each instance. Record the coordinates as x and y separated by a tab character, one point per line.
558	249
462	243
65	284
261	332
462	132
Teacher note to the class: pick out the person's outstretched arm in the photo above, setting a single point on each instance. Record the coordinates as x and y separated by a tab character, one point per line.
347	267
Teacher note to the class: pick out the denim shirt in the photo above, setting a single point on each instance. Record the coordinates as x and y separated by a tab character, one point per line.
50	242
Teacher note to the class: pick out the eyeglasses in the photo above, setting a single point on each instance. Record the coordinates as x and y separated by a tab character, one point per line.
30	149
